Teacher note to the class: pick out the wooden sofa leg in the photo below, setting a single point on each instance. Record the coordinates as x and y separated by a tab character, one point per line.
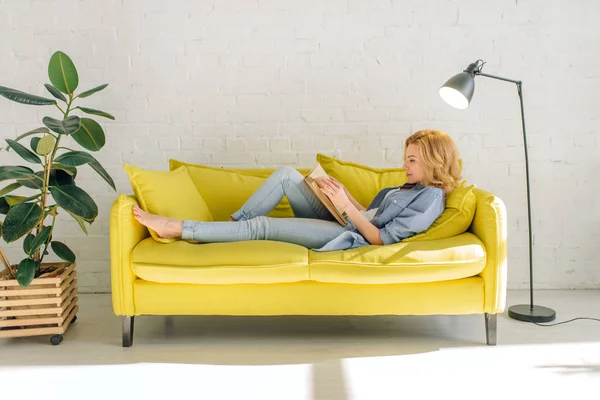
490	328
128	331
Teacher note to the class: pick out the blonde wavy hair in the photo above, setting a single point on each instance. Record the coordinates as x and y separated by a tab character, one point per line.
439	155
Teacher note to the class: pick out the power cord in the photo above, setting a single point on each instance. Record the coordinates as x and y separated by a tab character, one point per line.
564	322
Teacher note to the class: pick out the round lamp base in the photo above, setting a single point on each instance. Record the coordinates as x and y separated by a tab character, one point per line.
524	312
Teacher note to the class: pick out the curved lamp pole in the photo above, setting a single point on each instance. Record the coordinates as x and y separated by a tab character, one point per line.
458	92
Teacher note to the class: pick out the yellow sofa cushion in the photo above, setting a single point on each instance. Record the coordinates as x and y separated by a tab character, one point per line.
421	261
253	261
226	190
168	193
456	218
361	181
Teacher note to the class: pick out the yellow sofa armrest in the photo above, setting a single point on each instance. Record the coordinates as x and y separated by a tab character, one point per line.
125	234
489	224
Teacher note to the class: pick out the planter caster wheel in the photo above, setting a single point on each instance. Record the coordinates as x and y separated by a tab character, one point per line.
56	340
74	319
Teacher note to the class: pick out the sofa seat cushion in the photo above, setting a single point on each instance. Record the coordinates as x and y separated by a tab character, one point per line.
257	261
423	261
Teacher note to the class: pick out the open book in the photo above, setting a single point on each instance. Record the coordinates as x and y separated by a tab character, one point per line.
317	172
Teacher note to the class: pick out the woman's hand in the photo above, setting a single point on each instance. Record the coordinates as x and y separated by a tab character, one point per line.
335	191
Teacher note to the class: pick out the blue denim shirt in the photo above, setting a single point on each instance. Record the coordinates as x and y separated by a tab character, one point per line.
401	215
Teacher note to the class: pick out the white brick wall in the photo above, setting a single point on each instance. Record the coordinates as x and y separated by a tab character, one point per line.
246	83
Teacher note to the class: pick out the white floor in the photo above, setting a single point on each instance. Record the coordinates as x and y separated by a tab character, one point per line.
314	357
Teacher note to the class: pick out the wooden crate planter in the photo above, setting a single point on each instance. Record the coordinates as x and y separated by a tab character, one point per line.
46	307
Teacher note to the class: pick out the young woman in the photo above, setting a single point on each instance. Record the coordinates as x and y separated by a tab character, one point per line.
431	165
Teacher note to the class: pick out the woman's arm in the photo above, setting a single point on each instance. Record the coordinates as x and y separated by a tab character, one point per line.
353	200
341	198
364	226
350	197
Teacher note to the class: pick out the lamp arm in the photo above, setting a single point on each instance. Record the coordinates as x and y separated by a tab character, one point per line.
497	77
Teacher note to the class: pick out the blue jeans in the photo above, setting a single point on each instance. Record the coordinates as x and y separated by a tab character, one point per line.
313	226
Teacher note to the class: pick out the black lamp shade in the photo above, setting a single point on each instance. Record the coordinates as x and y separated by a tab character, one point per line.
458	90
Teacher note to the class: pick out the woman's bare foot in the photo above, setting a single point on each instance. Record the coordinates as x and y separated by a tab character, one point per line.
166	228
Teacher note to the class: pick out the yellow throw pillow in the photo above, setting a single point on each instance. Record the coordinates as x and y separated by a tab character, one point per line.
226	190
168	193
361	181
456	218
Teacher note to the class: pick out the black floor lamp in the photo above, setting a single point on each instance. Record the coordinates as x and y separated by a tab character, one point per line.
457	92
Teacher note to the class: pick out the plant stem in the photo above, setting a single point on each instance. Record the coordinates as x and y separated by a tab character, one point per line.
49	236
39	256
7	265
61	110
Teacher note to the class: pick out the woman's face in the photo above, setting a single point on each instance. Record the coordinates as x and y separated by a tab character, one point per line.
413	164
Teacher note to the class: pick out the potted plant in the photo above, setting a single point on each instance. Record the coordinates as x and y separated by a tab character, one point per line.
40	298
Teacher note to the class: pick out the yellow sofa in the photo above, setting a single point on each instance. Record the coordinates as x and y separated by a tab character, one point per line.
463	274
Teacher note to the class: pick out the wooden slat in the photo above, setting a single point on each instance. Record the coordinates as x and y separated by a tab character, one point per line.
29	322
67	301
29	292
67	271
31	311
42	312
72	314
32	302
4	282
31	332
68	312
59	320
68	281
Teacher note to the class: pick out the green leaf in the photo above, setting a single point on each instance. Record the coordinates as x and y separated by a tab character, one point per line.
10	188
27	243
40	239
62	73
92	91
33	132
20	220
90	136
34	183
75	158
75	200
69	170
59	177
15	172
26	271
55	92
45	145
24	152
62	251
34	142
80	221
24	98
64	127
1	230
102	172
14	200
96	112
4	207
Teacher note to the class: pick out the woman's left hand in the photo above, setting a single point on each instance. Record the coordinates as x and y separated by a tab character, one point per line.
335	192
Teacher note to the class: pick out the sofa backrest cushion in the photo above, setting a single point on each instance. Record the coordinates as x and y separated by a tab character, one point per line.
456	218
168	193
226	190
